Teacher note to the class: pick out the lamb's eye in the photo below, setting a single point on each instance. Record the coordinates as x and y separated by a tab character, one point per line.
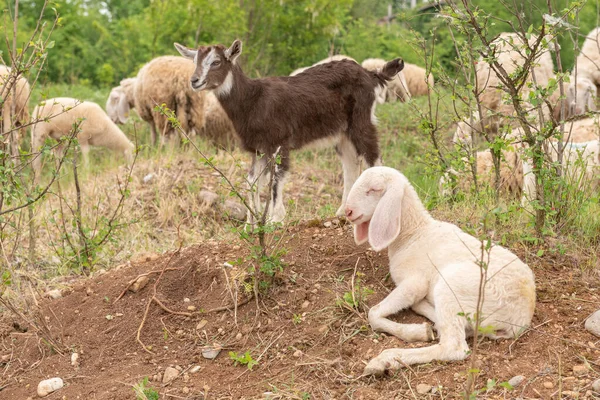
373	190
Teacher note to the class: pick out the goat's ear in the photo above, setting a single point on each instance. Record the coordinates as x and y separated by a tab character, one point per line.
185	51
234	51
123	109
596	77
385	223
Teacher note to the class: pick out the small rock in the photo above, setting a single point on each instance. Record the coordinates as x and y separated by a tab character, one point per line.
423	388
211	352
170	374
4	359
327	224
186	300
596	386
185	390
186	377
298	353
238	336
156	378
48	386
201	324
516	380
234	210
195	369
148	178
548	385
54	294
89	292
207	197
75	360
305	304
139	284
592	324
571	394
191	308
580	370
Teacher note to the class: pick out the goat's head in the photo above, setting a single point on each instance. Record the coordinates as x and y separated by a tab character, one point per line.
585	98
213	65
374	205
117	106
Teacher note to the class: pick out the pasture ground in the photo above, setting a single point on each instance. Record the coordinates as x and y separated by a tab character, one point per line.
307	344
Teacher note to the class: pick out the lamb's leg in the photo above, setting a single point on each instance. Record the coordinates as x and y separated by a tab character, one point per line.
153	135
402	297
277	209
85	155
529	189
426	309
351	168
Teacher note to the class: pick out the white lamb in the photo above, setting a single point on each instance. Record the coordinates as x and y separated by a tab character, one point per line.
395	89
56	119
436	268
582	92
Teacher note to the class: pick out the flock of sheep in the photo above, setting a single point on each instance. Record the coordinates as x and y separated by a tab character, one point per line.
580	135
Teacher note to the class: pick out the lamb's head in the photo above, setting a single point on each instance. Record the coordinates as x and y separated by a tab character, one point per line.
374	205
585	98
117	106
213	66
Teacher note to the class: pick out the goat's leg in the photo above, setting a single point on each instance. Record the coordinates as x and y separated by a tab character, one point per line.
256	177
351	168
408	293
277	209
426	309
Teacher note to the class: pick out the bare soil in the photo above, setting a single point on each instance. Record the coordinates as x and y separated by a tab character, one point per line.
305	343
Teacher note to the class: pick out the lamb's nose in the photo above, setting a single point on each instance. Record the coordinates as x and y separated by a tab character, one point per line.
348	212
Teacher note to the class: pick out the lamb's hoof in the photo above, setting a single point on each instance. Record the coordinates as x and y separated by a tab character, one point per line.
430	333
375	367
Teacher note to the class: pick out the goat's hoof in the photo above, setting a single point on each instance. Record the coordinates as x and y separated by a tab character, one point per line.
430	333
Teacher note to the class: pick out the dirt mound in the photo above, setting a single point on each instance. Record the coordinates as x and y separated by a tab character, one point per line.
305	344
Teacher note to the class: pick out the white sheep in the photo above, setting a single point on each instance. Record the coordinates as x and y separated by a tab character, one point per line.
336	57
120	100
580	163
436	268
419	84
511	174
511	54
217	126
165	80
585	77
56	118
14	114
397	88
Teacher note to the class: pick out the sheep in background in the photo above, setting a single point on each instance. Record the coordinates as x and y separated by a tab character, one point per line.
56	117
166	80
511	174
336	57
397	88
582	92
580	162
435	266
120	100
217	126
510	53
419	84
20	115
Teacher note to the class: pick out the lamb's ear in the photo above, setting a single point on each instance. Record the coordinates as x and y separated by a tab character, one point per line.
234	51
185	51
361	233
123	109
385	224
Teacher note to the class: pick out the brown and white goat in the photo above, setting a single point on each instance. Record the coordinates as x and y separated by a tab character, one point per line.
274	115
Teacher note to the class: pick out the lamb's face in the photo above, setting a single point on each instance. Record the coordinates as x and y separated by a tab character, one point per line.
115	99
585	98
213	65
365	195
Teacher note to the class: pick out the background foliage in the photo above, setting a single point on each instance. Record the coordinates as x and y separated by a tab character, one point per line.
100	42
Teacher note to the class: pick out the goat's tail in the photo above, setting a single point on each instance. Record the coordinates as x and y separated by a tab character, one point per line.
390	70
